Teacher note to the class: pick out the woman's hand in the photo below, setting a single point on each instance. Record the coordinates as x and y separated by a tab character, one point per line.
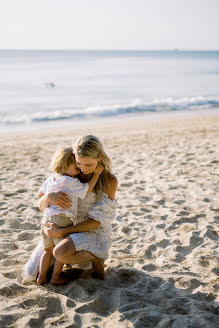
60	199
52	230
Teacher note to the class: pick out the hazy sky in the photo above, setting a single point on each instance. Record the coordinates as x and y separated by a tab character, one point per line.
109	24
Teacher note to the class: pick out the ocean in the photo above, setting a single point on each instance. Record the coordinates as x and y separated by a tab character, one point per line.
45	86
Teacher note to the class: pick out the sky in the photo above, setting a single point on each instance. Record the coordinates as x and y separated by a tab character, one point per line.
109	24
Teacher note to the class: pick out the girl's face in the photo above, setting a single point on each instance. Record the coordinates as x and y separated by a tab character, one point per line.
72	170
86	164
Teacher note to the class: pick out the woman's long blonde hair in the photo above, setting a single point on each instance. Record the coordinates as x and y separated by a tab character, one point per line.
91	146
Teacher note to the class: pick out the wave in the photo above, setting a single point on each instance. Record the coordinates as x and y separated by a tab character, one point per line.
157	105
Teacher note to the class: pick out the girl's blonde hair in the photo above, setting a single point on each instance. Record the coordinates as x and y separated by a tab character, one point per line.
62	158
91	146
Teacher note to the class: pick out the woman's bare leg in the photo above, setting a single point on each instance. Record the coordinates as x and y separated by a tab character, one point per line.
65	252
57	279
98	268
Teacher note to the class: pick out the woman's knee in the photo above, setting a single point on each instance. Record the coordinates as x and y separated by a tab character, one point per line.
49	250
64	248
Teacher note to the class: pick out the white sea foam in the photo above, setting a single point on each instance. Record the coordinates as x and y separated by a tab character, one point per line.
158	105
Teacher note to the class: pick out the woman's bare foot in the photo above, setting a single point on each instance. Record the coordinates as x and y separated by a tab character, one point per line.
59	281
98	269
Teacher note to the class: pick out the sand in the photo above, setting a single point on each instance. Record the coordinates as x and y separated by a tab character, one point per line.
163	267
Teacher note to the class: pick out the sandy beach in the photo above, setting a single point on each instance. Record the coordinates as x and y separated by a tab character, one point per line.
163	270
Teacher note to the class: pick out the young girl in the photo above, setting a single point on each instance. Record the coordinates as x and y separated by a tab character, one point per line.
65	169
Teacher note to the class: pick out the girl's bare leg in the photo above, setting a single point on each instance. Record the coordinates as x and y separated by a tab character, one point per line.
45	261
65	252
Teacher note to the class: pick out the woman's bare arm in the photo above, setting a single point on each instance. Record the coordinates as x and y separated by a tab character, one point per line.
53	231
57	198
112	184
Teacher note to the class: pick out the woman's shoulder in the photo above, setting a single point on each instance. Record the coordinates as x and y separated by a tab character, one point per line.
111	185
111	179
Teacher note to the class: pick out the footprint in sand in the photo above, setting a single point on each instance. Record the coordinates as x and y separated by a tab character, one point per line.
129	184
10	275
21	191
210	233
126	230
8	245
148	253
161	226
122	277
21	208
216	219
12	290
9	262
180	201
102	304
2	222
215	207
149	267
181	221
163	243
35	311
51	304
129	173
204	261
183	213
183	251
26	235
127	249
17	224
10	194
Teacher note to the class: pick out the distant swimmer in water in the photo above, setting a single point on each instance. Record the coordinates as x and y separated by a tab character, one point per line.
49	85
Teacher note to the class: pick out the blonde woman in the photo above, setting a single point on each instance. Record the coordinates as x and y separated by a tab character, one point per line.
89	240
64	179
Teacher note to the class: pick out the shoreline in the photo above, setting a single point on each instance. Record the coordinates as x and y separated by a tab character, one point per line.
134	118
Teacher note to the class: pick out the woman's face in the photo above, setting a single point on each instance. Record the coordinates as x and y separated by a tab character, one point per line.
86	164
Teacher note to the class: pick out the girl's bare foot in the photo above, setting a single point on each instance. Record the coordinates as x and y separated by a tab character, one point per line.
59	281
41	280
98	269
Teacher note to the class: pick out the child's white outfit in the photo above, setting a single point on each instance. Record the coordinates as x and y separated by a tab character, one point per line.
54	214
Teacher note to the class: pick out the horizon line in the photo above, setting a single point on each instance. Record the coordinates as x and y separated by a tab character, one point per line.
143	50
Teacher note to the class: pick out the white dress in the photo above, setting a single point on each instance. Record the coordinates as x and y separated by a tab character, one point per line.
97	241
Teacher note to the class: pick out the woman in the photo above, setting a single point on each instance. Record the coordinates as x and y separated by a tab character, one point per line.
89	240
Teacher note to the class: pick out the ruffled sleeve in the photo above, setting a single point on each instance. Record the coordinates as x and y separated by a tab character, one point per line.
104	211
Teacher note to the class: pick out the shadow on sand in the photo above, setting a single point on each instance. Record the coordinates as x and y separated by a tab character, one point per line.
131	298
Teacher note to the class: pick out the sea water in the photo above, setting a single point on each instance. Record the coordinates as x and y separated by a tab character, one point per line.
44	86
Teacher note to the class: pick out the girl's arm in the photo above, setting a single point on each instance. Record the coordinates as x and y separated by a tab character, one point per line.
95	177
43	201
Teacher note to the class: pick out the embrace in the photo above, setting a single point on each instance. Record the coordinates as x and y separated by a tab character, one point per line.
79	204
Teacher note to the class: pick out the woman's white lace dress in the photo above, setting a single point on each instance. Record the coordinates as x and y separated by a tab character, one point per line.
97	241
